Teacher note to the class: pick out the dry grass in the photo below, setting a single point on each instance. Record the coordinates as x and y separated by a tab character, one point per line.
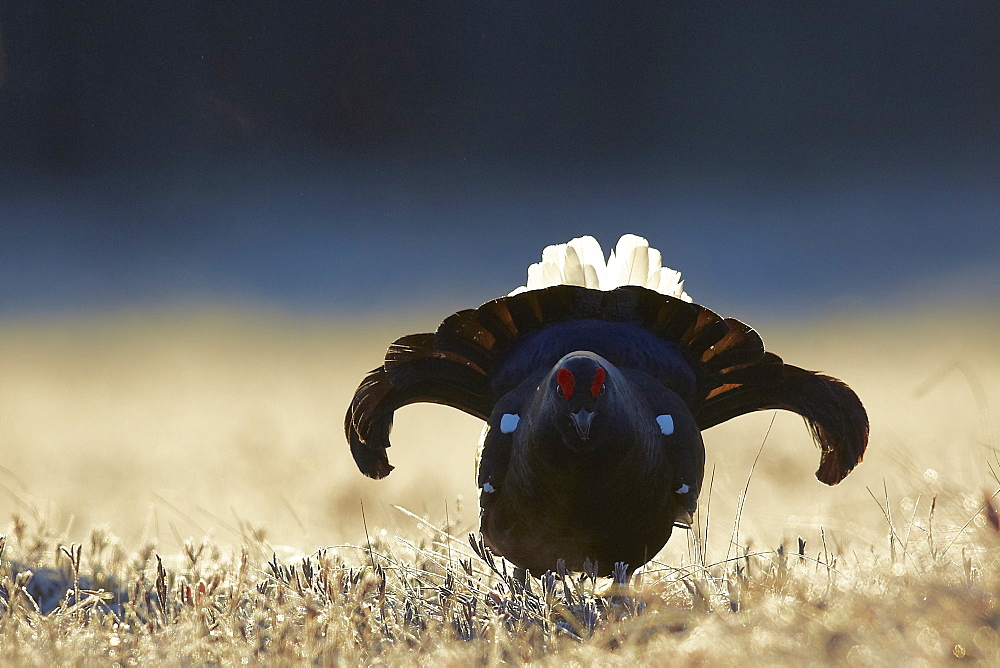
181	452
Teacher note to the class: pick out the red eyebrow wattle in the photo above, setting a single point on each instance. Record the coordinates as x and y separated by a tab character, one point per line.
566	381
595	388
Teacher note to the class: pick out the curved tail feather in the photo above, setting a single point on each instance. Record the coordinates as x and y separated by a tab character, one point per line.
413	371
833	412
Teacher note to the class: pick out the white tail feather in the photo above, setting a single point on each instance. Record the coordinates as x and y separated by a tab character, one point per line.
573	269
581	262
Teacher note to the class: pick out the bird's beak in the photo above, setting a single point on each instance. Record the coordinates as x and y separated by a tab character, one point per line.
582	420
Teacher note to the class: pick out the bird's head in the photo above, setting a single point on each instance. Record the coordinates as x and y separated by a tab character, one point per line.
578	386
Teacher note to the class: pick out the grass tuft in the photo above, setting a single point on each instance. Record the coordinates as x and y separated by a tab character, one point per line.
395	599
155	466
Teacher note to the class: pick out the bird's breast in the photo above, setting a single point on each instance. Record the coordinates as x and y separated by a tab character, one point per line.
592	507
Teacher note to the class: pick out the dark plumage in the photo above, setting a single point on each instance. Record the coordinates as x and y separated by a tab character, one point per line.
594	403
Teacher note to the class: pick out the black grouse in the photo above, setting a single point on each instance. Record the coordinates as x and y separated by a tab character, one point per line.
595	381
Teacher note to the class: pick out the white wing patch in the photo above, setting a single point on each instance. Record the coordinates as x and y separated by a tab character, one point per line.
666	423
508	423
684	489
488	488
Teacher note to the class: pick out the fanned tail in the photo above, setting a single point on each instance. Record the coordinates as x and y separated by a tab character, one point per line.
735	375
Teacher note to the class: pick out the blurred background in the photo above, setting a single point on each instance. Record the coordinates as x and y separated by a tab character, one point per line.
358	156
214	217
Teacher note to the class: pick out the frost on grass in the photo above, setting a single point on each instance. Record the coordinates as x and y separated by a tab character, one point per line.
928	593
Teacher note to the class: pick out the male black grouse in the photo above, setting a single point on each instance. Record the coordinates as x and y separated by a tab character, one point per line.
595	381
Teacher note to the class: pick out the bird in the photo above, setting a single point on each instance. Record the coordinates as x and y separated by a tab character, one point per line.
595	381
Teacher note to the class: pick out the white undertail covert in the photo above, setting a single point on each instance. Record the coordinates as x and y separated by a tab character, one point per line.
581	262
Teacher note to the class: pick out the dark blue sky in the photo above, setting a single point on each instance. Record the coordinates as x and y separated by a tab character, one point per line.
360	156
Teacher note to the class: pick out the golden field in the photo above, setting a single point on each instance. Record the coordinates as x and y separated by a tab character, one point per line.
144	434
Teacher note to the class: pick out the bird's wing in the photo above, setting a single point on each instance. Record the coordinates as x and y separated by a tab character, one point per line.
678	436
497	440
686	454
413	371
493	458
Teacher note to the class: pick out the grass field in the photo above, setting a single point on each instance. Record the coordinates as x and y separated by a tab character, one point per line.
210	444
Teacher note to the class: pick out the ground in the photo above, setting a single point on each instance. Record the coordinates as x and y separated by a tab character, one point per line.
194	461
